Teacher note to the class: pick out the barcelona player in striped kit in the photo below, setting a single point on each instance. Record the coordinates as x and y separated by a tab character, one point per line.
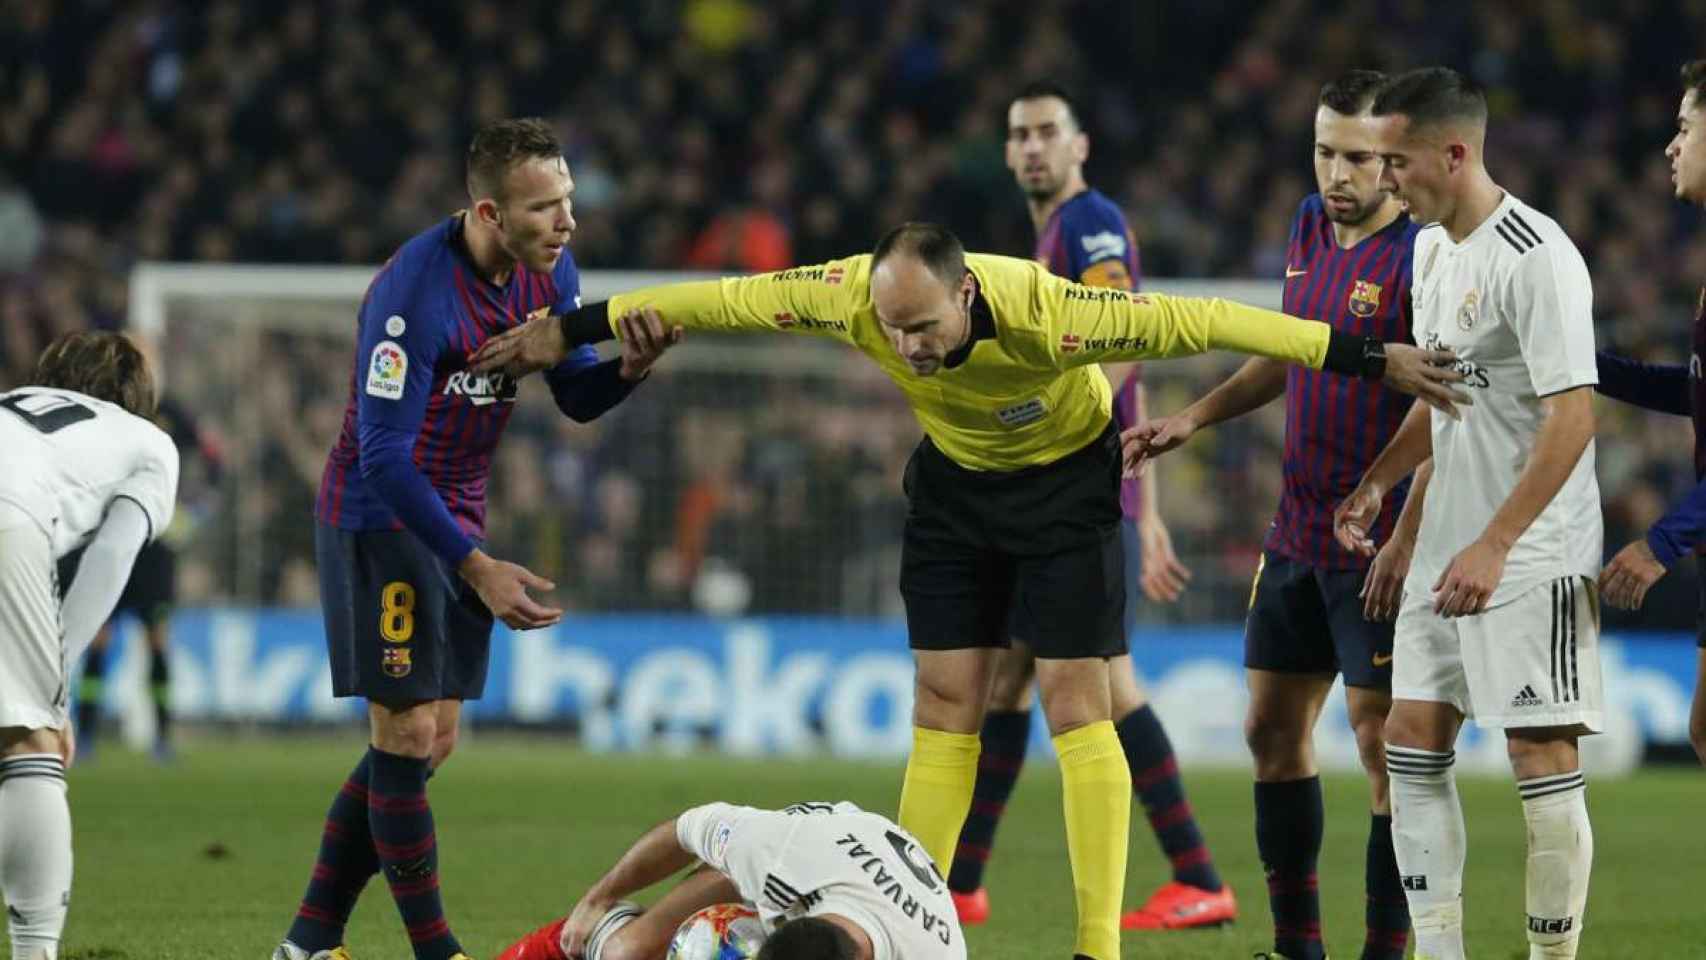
408	594
1676	389
1083	236
1318	609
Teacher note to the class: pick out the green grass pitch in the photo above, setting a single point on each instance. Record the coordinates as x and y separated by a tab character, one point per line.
207	859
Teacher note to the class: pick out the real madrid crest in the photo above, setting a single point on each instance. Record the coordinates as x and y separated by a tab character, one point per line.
1466	313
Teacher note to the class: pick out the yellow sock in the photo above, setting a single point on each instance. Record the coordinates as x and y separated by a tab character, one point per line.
1096	788
936	793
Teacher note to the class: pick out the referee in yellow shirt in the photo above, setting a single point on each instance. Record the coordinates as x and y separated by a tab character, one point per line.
1014	491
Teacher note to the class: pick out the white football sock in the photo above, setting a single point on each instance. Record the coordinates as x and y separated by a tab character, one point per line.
1560	857
35	852
614	919
1430	842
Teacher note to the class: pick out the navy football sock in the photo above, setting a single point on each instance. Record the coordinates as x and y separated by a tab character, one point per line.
346	861
1155	779
403	835
90	691
160	688
1005	735
1388	913
1289	824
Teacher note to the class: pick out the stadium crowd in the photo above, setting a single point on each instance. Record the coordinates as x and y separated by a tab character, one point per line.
737	135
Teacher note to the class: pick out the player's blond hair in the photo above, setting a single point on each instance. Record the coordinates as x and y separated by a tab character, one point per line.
100	364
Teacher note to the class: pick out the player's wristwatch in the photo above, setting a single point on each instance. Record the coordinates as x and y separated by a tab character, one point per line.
1373	359
1355	355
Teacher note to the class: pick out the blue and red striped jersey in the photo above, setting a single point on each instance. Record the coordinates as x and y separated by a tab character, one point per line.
1336	425
425	313
1087	239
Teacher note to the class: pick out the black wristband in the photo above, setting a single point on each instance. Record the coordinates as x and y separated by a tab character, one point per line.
589	324
1349	354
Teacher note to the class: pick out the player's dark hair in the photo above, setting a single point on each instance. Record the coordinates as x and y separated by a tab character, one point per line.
1352	91
100	364
1041	89
501	144
933	244
1694	78
809	938
1432	95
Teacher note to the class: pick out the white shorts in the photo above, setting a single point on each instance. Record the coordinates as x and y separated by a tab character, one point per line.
33	684
1532	662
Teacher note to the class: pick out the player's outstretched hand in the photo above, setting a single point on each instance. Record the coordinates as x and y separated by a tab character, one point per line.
533	346
1383	588
1152	438
644	340
1353	519
582	919
1427	375
503	587
1466	584
1160	573
1626	579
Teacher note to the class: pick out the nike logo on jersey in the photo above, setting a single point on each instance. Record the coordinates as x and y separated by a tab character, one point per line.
1381	661
1289	272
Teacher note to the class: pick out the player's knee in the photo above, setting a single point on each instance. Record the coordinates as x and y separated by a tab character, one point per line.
1011	688
14	740
1541	752
409	730
625	944
1274	737
443	744
1371	745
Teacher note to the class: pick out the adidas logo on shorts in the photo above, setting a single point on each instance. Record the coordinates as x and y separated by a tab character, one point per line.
1526	697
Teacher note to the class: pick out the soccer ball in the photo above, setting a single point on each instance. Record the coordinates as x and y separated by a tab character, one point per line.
726	931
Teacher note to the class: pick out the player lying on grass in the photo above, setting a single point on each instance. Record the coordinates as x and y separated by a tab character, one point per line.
830	881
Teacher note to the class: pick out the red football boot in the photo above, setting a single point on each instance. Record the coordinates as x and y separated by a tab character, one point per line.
544	943
1179	906
972	907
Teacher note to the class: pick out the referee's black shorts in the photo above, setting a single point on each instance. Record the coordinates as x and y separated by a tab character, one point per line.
1031	553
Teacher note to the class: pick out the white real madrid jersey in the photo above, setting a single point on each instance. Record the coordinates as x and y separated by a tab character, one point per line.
65	456
822	858
1515	303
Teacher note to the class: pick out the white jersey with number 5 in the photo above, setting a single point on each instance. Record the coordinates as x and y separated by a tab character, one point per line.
822	858
66	457
1515	303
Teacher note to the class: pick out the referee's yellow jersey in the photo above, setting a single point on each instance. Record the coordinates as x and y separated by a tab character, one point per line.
1030	392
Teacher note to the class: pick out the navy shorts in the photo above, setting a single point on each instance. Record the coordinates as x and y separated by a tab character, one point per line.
1032	554
152	588
1306	619
150	591
400	628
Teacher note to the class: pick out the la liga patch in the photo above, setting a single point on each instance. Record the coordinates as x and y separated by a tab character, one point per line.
387	369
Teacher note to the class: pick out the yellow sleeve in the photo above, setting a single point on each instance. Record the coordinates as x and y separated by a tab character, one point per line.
1099	325
802	299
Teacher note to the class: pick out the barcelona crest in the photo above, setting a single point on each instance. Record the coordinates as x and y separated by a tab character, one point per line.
396	662
1365	298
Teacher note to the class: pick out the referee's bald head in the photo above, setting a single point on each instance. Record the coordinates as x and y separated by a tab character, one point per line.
922	292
